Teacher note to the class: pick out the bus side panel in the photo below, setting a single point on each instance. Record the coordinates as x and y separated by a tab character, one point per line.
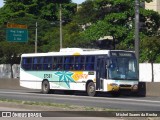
72	86
65	80
29	80
71	80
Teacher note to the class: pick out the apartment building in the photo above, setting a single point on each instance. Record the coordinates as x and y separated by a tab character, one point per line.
154	5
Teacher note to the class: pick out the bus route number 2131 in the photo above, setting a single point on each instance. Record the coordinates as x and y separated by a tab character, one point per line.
47	76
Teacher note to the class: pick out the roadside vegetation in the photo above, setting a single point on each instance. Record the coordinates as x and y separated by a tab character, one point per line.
46	106
83	26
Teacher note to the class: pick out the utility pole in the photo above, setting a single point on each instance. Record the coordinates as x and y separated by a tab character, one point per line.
36	39
60	24
137	4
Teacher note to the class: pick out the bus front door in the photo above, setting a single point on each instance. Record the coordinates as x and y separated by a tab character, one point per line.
100	73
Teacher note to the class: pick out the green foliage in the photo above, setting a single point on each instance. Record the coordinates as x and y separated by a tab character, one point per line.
82	27
40	9
86	13
10	52
118	22
28	12
150	50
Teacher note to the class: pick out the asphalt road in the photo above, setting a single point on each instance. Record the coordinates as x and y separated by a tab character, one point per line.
121	103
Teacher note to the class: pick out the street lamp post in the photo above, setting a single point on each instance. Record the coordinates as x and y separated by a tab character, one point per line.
36	39
137	4
60	24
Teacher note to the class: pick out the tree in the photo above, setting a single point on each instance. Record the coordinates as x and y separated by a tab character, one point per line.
43	9
118	22
93	20
44	12
86	13
150	50
10	53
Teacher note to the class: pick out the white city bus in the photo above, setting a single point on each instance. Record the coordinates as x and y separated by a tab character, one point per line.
78	69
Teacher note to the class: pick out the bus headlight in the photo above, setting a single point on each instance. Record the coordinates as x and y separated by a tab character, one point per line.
114	84
113	87
135	87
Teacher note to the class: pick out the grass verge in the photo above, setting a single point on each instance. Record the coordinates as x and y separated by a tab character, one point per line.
54	106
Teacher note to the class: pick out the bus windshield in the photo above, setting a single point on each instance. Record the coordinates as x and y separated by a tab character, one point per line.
123	68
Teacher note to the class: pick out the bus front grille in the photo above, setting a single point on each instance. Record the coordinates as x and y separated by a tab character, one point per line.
125	86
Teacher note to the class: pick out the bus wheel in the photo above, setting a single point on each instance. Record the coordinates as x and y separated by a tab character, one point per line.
91	90
45	87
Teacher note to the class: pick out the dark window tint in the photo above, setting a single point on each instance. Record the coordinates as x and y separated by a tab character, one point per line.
89	64
57	63
59	67
47	63
69	59
79	62
37	63
26	60
57	59
38	60
37	67
79	59
69	63
47	60
27	63
90	59
47	66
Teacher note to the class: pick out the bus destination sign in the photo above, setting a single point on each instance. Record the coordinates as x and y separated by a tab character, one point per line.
121	54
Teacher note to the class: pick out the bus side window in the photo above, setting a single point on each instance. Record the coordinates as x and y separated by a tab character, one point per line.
66	63
47	63
69	63
59	67
37	63
54	63
57	63
79	62
67	60
27	63
54	66
89	63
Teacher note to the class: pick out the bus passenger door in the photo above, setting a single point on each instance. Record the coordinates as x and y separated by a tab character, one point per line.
100	73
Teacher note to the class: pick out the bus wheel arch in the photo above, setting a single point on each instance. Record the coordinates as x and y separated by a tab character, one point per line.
90	88
45	86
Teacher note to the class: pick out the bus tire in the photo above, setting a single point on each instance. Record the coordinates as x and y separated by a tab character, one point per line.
45	87
91	89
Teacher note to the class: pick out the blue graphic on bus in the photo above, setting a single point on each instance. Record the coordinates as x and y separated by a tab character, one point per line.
65	76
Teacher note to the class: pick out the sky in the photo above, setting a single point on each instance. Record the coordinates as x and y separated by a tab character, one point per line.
1	3
75	1
78	1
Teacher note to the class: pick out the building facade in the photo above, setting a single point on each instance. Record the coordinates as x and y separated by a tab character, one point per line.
154	5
